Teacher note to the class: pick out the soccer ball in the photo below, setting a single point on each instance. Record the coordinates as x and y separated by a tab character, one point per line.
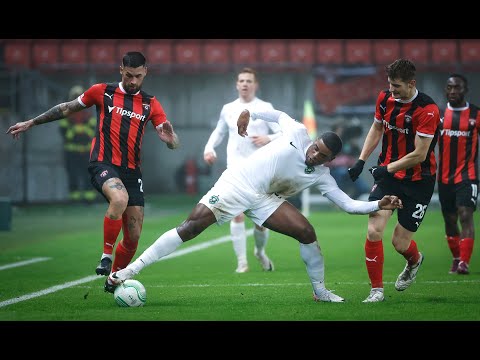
130	293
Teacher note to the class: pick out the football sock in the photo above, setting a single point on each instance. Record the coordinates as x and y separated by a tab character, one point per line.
124	253
239	240
454	246
261	238
412	255
374	261
313	259
111	229
164	245
466	249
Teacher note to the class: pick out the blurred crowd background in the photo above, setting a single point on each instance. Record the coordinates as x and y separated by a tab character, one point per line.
193	78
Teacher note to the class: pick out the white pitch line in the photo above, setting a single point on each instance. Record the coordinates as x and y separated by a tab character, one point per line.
25	262
48	290
56	288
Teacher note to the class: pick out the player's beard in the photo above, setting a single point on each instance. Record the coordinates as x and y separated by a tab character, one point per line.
131	90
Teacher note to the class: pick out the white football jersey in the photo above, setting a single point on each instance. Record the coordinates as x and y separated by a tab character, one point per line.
240	147
279	168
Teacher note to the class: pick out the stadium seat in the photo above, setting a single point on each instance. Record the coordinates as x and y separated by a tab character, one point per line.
470	51
386	51
159	54
273	53
216	54
444	52
124	46
45	54
187	52
17	53
244	52
102	54
73	54
329	52
301	52
416	51
358	52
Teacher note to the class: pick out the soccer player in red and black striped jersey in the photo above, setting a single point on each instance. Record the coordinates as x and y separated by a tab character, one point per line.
407	122
458	171
123	111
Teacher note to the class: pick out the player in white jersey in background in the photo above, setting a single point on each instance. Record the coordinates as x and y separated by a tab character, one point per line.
259	186
260	133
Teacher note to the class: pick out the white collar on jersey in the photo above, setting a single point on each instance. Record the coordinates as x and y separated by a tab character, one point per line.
458	108
409	100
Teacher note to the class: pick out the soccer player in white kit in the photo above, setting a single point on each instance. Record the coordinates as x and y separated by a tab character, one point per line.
260	133
259	186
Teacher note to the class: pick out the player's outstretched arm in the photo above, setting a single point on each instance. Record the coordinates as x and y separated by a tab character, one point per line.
57	112
390	202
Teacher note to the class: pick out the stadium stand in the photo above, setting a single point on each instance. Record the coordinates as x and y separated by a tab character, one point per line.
73	54
17	53
415	50
244	52
216	55
330	52
301	52
102	54
385	51
358	52
444	52
45	54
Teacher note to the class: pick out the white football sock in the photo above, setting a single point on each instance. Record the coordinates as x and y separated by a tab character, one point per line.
261	238
313	259
164	245
239	240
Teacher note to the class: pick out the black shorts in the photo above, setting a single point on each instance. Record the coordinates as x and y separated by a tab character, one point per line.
455	195
131	178
415	196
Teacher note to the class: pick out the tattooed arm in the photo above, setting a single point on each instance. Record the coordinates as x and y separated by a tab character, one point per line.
57	112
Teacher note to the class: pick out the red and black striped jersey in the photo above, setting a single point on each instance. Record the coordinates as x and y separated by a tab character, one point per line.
121	121
458	144
402	121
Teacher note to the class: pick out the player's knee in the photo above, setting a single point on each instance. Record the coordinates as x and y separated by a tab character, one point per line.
119	202
307	235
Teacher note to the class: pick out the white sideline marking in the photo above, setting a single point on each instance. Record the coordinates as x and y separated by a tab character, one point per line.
56	288
25	262
48	290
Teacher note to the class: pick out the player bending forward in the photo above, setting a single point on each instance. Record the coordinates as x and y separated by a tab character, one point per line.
259	186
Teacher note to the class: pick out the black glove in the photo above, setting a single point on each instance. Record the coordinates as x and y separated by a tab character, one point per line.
378	172
356	170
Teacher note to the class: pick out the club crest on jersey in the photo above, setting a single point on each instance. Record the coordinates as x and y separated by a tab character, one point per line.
146	106
408	119
214	199
472	122
309	169
104	173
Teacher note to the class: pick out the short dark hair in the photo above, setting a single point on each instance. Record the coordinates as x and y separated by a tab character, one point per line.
461	77
248	70
332	141
134	59
402	69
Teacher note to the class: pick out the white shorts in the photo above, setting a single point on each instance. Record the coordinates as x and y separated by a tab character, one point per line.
227	201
